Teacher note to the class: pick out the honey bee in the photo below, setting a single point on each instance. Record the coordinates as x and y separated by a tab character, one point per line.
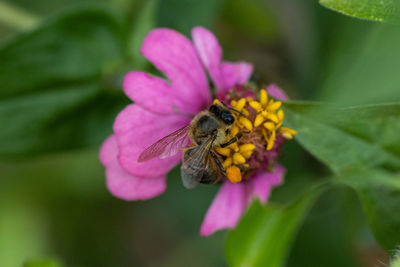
208	129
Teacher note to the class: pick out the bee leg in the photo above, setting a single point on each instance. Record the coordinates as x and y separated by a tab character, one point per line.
218	161
233	140
241	167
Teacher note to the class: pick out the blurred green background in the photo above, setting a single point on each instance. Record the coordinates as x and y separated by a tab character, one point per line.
61	66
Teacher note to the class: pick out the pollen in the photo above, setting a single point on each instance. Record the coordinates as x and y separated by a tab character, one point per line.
287	133
233	174
224	151
234	130
246	148
259	121
227	163
240	104
245	123
238	158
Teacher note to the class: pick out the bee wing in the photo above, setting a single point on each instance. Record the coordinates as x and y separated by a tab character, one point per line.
167	146
193	167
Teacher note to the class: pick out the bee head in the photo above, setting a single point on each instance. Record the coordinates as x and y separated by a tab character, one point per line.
222	113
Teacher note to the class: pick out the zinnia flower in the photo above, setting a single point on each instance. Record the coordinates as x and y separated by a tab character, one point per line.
162	106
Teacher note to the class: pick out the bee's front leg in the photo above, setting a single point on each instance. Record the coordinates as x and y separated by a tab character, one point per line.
218	161
233	140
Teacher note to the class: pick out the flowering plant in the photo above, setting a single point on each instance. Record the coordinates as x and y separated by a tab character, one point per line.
161	107
61	93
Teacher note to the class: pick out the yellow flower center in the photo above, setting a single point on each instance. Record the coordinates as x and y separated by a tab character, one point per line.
260	123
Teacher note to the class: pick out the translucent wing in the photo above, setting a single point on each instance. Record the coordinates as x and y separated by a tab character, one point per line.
167	146
195	163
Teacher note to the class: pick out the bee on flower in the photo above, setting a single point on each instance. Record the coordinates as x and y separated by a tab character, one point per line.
232	140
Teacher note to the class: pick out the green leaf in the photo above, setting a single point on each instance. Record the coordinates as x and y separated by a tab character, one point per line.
352	139
22	232
348	138
330	231
396	261
377	10
183	15
57	82
357	75
59	52
264	235
253	19
144	23
379	192
42	263
16	17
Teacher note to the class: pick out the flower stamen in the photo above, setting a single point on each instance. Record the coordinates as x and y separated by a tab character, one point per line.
260	124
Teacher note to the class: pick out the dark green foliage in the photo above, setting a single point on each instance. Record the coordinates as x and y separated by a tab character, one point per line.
58	83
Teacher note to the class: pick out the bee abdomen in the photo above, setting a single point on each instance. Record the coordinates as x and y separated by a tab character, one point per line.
209	177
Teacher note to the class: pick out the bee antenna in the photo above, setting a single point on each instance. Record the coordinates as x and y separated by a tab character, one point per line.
241	113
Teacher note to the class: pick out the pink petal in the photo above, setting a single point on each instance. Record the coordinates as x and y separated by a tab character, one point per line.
276	92
108	151
225	75
152	93
226	208
174	55
261	185
136	129
128	187
122	184
208	48
234	74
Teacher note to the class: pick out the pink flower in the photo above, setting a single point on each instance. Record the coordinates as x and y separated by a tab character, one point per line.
163	106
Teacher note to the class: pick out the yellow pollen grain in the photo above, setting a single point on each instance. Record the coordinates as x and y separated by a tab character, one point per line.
234	131
238	159
270	126
259	119
247	154
246	123
233	103
245	112
263	97
234	147
223	151
240	104
287	132
287	136
280	115
264	113
233	174
271	141
275	105
256	105
272	117
227	163
246	147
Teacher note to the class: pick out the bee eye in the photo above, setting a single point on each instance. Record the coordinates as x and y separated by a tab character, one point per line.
213	109
227	117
